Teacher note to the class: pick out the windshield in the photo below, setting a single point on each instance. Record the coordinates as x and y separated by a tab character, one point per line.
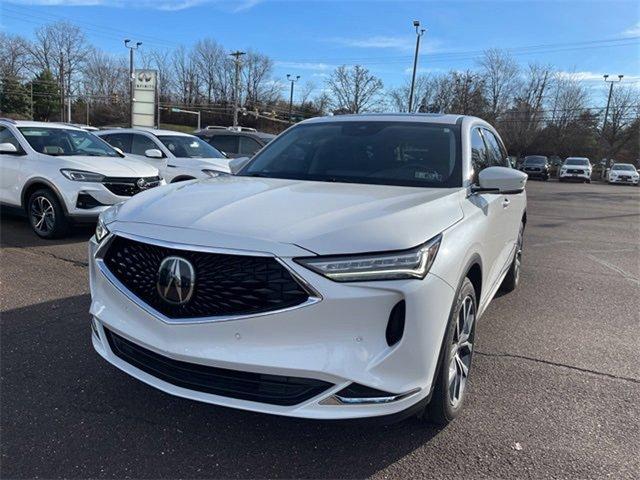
623	166
577	161
62	141
386	153
189	147
535	160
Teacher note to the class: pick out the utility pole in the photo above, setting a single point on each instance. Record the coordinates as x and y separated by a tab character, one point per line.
606	112
31	90
61	88
131	76
293	80
419	33
236	100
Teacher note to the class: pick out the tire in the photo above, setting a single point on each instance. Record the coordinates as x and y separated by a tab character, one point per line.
447	401
46	215
512	278
588	181
561	180
545	178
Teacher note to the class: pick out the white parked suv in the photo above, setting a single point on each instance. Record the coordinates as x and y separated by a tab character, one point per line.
576	168
623	173
58	174
177	155
339	274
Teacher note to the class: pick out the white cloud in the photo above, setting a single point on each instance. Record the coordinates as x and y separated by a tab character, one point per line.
320	67
406	43
587	76
632	31
165	5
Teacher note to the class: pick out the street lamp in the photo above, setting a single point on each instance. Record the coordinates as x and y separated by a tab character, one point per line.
419	33
606	112
293	80
131	76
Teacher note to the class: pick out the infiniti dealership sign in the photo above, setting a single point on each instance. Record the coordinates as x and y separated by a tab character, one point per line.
144	98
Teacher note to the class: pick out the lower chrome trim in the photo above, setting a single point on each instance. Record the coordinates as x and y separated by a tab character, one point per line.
338	400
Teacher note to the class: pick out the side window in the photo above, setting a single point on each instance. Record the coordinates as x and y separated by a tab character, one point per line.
496	154
119	140
7	137
226	143
479	158
141	144
248	146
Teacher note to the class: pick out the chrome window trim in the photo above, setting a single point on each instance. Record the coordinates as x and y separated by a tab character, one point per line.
314	295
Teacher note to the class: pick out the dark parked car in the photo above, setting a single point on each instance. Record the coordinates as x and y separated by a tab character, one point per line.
235	142
536	166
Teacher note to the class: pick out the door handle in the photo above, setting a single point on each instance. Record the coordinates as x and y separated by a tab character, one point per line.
505	203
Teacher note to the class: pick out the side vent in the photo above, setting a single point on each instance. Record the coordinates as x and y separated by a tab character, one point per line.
395	327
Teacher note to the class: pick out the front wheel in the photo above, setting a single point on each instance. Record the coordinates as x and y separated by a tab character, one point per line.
451	380
46	215
512	278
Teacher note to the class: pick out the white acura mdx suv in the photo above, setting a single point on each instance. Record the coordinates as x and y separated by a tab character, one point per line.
338	274
58	174
178	156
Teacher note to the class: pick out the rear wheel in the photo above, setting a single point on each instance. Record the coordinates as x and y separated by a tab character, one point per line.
451	380
46	215
510	282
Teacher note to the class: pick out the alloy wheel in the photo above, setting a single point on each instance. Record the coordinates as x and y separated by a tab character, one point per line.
461	351
43	215
518	257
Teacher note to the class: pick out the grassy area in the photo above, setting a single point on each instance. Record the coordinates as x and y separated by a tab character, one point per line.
177	128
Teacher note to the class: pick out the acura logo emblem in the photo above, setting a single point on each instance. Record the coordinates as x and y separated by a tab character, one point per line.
176	280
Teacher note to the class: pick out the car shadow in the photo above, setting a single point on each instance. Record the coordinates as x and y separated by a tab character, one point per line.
88	419
15	231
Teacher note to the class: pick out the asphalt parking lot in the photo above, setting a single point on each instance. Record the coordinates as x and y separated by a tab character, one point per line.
555	391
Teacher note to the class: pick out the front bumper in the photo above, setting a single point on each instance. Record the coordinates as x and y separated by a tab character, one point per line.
575	176
624	181
339	340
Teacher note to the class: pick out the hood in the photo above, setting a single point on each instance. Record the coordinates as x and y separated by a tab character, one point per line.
324	218
110	166
219	164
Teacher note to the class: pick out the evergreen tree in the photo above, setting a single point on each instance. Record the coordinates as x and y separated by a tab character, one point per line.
14	98
46	97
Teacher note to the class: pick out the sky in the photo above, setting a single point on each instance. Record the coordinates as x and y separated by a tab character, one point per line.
310	38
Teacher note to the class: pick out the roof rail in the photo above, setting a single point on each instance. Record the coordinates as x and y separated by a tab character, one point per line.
241	129
214	127
10	120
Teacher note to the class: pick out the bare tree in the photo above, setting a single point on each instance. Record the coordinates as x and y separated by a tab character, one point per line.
354	89
424	91
305	91
210	58
57	45
14	56
624	112
260	88
500	74
468	96
160	60
187	80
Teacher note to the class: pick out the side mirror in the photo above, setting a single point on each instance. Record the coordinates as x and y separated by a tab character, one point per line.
120	152
153	153
8	148
237	164
500	180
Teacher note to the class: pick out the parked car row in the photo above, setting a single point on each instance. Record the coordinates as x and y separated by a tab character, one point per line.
578	169
61	173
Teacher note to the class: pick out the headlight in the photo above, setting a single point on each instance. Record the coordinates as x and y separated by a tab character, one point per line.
213	173
101	230
413	263
81	175
104	219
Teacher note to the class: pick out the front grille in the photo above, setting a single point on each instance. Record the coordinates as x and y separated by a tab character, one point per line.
255	387
128	187
575	170
224	284
532	169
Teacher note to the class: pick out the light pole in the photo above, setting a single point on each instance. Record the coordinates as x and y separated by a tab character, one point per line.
606	112
131	76
236	100
419	33
293	80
